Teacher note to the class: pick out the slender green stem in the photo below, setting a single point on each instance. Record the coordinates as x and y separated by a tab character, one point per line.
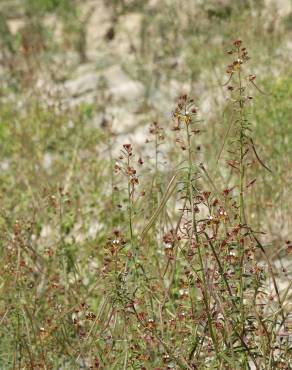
130	207
194	233
242	218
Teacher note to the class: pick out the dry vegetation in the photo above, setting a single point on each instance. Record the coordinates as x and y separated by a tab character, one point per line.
145	164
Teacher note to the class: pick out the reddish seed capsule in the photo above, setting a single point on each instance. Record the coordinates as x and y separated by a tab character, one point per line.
215	203
206	194
128	148
237	43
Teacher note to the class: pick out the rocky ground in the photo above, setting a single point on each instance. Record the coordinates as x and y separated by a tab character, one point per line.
107	77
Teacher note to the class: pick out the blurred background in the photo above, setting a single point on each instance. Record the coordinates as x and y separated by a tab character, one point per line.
71	71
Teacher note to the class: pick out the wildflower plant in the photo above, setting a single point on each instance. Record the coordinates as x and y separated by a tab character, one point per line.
176	278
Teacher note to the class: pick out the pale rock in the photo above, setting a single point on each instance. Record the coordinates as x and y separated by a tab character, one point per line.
121	86
283	7
82	84
128	35
15	25
47	161
4	165
99	20
87	98
123	120
46	231
94	227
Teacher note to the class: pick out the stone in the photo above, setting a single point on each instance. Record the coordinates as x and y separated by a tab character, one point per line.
121	86
82	84
99	20
283	7
15	25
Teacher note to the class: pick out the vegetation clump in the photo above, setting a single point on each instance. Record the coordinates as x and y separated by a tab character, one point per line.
175	274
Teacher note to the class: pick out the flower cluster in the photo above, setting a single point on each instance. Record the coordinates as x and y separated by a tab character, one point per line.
126	168
184	111
241	57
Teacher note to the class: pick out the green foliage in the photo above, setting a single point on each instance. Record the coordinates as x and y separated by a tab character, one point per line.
273	132
272	120
44	6
7	40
